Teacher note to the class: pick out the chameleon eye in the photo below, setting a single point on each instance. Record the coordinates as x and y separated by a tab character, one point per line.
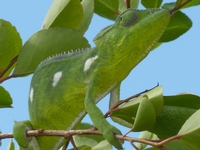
128	17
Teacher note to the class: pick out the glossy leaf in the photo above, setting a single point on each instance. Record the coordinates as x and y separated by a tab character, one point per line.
151	4
192	3
123	5
173	4
146	135
179	24
134	3
5	98
145	117
46	43
10	45
103	145
177	109
191	131
11	145
107	8
89	140
178	144
127	113
88	9
64	13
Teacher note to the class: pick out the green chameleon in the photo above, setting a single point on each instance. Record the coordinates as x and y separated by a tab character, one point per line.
67	86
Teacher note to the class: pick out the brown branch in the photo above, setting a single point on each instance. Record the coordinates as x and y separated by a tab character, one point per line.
12	62
70	133
172	11
115	107
128	5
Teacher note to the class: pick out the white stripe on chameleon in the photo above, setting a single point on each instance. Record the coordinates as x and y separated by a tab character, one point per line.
88	62
31	94
56	78
69	128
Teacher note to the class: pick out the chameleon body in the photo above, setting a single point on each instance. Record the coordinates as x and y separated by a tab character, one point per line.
67	86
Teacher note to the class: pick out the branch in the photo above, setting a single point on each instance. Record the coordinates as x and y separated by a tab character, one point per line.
179	6
12	62
70	133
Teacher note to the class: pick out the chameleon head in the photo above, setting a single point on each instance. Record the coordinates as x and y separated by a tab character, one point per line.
135	32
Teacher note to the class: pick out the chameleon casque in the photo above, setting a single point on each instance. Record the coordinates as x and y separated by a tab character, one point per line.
67	86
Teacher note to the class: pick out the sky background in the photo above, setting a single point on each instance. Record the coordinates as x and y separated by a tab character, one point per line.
174	65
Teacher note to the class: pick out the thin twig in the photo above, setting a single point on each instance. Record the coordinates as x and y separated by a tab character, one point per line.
12	62
172	11
115	107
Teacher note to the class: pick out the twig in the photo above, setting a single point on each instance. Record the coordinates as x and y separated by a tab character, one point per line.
172	11
115	107
69	133
128	5
12	62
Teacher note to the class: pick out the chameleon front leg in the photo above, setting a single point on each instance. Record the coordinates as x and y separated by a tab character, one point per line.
99	121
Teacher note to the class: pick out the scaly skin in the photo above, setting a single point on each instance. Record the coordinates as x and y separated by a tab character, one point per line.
64	86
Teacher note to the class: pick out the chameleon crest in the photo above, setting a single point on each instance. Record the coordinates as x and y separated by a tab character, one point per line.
67	86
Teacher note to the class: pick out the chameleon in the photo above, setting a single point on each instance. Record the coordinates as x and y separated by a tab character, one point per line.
66	87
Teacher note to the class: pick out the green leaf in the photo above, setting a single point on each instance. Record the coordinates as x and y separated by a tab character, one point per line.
151	4
179	24
192	3
146	135
88	9
107	8
171	5
177	109
11	145
145	117
89	140
84	147
191	131
5	98
134	3
46	43
10	45
64	13
103	145
126	113
177	144
123	6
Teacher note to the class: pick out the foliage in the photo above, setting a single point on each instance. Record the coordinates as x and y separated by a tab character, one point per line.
152	113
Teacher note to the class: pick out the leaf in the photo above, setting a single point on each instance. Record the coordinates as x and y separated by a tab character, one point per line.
89	140
179	24
46	43
123	5
151	4
11	145
134	3
177	109
107	8
126	113
10	45
145	117
64	13
191	131
192	3
146	135
103	145
88	9
171	5
5	98
177	144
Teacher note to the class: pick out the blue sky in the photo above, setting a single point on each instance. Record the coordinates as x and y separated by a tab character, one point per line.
174	65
